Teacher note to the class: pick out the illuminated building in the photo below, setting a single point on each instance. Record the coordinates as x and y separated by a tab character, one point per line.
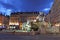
54	14
4	20
18	18
1	21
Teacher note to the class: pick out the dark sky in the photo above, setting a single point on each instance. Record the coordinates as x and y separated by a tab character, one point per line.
8	6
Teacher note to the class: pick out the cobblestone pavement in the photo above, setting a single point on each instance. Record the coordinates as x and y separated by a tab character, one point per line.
36	37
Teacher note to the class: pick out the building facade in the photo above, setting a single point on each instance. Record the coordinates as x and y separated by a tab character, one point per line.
54	14
17	19
4	21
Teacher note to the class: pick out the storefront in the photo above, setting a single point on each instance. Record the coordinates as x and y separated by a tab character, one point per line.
14	26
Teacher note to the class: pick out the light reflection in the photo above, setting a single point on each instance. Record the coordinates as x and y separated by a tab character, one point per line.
0	24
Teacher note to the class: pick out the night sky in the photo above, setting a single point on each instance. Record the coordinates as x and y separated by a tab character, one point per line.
8	6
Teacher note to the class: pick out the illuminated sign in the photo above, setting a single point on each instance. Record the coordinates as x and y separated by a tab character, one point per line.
15	23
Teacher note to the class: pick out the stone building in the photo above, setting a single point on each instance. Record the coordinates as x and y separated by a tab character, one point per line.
4	20
54	14
17	19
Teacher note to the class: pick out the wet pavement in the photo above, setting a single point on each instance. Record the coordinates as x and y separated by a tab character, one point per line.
36	37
